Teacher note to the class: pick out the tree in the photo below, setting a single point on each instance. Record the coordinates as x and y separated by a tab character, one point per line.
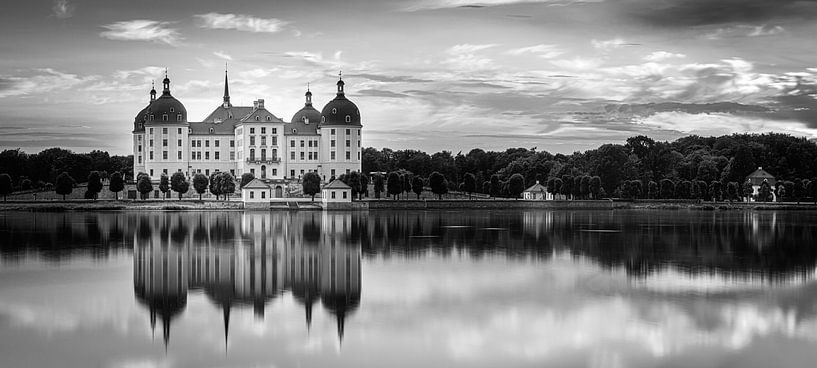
595	187
178	183
144	185
227	182
549	186
215	184
311	184
557	186
667	189
364	185
567	186
353	181
496	185
116	184
470	184
200	183
652	189
406	182
417	186
394	185
486	187
64	185
715	191
438	184
765	192
94	184
684	189
5	185
798	189
732	190
246	178
813	189
25	184
377	184
164	185
516	185
748	190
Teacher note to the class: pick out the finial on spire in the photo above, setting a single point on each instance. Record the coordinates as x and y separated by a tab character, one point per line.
227	103
340	83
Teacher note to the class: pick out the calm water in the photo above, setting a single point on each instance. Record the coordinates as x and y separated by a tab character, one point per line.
408	289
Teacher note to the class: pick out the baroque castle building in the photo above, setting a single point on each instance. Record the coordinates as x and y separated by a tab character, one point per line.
247	139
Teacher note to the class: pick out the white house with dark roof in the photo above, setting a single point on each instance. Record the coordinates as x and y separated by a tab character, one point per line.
248	139
757	177
256	191
336	192
536	191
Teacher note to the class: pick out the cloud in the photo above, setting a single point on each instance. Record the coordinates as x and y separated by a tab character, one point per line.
222	55
541	50
142	30
662	55
467	48
46	80
685	13
240	22
62	9
611	44
744	30
444	4
716	124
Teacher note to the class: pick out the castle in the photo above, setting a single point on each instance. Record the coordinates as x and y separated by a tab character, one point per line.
247	139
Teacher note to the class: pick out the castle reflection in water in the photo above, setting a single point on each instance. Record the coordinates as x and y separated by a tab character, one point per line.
247	260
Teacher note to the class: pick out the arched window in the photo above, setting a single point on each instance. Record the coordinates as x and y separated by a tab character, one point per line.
348	118
164	117
252	154
171	110
257	118
334	110
269	118
263	170
212	130
189	131
323	119
179	117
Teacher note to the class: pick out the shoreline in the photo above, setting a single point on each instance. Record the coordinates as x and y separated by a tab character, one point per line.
406	204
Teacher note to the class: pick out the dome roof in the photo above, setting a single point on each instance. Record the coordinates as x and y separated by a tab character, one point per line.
166	105
307	114
340	111
140	118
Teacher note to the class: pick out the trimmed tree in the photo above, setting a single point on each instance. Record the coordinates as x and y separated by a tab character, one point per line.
227	182
667	190
469	184
144	185
486	187
116	184
438	184
417	186
516	185
496	186
94	184
179	184
311	184
64	185
557	187
732	190
246	178
395	185
652	189
748	190
364	185
715	191
765	192
164	185
5	185
353	181
25	184
378	184
595	187
215	184
200	183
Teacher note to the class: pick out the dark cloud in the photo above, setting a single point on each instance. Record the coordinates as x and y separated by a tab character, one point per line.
798	103
690	108
684	13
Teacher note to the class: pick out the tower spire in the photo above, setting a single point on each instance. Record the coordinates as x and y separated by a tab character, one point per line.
166	84
152	91
340	83
226	89
308	95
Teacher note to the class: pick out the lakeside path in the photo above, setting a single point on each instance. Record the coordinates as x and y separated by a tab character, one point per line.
384	204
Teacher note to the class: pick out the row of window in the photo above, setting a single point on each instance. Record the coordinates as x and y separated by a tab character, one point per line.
216	143
263	130
263	140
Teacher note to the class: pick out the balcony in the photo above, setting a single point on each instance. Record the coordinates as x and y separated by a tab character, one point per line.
271	160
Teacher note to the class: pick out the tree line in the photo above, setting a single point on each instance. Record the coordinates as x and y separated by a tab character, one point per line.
40	170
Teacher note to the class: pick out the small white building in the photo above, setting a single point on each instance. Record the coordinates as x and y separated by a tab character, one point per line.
536	191
336	192
757	178
256	191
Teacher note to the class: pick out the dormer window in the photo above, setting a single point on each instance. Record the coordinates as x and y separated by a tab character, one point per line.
212	130
334	110
179	117
306	120
257	118
269	118
294	131
230	116
189	131
151	117
323	119
164	117
348	119
172	110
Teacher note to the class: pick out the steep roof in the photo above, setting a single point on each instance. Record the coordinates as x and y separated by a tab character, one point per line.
256	184
336	184
536	188
202	128
262	115
759	175
233	112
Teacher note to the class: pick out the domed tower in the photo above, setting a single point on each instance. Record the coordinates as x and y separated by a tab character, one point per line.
139	135
340	130
165	135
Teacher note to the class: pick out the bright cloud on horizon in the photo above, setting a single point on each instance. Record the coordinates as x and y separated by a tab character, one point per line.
240	22
142	30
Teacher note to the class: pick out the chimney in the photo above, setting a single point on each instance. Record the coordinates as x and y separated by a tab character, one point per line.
260	103
255	105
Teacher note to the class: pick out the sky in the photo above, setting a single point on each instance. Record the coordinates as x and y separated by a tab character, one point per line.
557	75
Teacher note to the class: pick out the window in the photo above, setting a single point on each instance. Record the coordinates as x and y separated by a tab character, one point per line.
358	132
198	142
263	171
164	142
151	155
207	172
333	172
216	143
348	155
334	110
252	154
150	143
164	171
252	194
344	194
274	130
232	143
164	117
302	155
140	159
252	171
348	143
333	155
198	155
292	143
151	130
302	143
212	130
292	173
179	155
263	154
207	155
178	117
292	155
164	130
215	155
252	130
332	131
348	131
333	194
257	118
358	156
274	172
207	143
332	143
358	144
348	119
151	172
310	144
232	172
263	194
179	143
274	140
172	109
252	140
310	155
178	130
232	156
263	140
263	130
138	148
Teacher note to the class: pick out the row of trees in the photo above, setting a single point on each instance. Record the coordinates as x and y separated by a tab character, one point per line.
40	170
221	184
725	159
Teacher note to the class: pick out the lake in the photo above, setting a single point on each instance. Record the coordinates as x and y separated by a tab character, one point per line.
623	288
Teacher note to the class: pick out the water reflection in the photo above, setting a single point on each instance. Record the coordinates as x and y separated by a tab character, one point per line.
246	260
